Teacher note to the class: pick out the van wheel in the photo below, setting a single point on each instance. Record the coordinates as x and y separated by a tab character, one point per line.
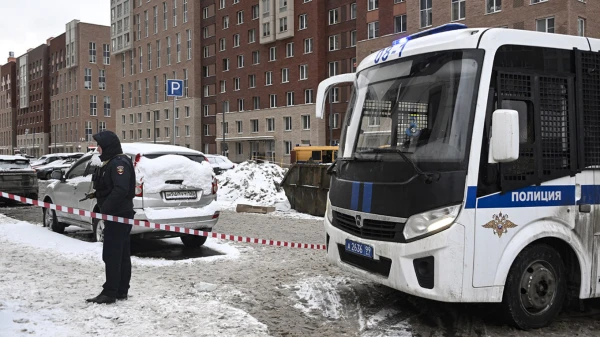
535	288
51	221
192	241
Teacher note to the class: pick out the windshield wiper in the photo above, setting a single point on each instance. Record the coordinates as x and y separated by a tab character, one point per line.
428	176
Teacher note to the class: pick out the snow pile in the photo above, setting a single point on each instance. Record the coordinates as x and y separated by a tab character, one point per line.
155	172
254	184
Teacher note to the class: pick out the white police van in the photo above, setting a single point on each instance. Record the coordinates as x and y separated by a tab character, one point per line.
467	169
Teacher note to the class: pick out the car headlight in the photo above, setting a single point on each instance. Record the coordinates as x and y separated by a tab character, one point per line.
431	222
328	210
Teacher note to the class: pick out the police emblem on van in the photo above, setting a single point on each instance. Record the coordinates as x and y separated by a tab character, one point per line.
500	224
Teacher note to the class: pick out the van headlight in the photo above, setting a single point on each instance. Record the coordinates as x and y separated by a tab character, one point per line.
328	210
431	222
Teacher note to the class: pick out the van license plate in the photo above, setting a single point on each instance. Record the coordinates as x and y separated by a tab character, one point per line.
180	195
359	248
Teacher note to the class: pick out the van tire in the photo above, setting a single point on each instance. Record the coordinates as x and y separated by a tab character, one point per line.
535	288
193	241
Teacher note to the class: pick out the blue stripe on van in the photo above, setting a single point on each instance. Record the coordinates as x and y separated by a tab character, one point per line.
354	196
367	197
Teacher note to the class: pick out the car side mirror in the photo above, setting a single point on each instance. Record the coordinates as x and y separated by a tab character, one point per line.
504	145
57	174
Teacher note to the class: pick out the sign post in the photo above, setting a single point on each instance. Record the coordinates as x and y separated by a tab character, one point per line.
174	89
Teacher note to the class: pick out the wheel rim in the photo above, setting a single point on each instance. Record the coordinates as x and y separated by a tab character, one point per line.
100	231
49	218
538	287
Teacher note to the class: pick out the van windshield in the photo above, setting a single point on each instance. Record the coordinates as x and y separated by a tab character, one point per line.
421	106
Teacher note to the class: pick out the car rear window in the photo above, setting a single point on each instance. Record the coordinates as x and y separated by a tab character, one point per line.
194	157
14	164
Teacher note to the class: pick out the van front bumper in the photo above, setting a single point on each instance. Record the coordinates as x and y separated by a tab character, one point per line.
431	267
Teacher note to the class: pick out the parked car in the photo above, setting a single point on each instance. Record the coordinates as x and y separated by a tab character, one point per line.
175	185
17	177
44	172
48	158
219	163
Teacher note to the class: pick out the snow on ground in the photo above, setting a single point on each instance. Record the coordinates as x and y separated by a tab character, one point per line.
41	238
319	295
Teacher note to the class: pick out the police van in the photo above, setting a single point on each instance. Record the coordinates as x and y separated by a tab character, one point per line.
467	169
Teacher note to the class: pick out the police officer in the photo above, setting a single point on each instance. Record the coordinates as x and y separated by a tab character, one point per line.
114	184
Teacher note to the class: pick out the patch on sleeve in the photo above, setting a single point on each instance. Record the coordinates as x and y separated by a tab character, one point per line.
120	169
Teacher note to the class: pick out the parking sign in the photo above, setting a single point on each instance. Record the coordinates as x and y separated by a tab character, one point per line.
175	88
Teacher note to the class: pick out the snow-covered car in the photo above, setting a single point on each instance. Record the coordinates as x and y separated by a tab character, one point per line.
17	177
219	163
44	172
48	158
174	186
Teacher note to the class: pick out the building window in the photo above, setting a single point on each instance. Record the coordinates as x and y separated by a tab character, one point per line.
268	78
155	20
545	25
373	29
285	75
240	104
240	17
492	6
254	124
334	42
353	11
255	12
92	58
185	11
102	79
580	26
288	147
221	4
239	148
400	23
308	45
333	68
270	124
283	25
272	101
288	123
185	83
240	127
458	10
122	96
266	29
335	95
334	16
252	35
222	44
174	13
336	121
146	27
187	130
372	5
272	54
189	44
225	21
225	64
226	106
256	103
251	81
158	54
236	84
187	111
303	71
308	96
255	57
223	85
236	40
302	21
87	80
149	56
205	110
165	16
306	122
106	53
289	98
426	13
178	47
168	50
93	105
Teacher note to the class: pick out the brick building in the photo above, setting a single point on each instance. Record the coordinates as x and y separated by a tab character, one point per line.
162	48
82	86
381	22
33	106
269	57
8	105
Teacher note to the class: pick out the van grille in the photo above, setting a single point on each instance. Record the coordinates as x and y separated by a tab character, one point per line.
371	229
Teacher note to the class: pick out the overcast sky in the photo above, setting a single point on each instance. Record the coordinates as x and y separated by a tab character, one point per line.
29	23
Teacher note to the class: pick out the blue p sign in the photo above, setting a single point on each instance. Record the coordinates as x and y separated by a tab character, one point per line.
175	88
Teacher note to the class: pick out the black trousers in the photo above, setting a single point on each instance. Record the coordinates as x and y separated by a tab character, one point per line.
116	255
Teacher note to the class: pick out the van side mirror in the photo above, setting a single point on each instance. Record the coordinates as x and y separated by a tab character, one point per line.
504	145
325	86
57	174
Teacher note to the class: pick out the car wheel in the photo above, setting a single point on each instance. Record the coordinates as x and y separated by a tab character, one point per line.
51	221
193	241
535	288
98	230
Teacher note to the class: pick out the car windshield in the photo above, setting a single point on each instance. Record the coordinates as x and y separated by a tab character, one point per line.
421	106
14	164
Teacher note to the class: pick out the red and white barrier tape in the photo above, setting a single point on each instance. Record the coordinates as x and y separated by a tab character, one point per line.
168	228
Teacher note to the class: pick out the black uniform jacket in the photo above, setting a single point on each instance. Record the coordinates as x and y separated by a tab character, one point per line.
114	182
